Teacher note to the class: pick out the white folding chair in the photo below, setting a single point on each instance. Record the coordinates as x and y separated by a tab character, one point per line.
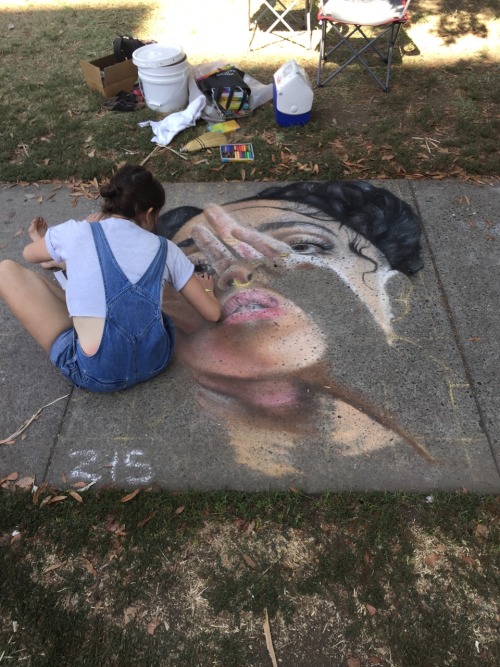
343	21
283	18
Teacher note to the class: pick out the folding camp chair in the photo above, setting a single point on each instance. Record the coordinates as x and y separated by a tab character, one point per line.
383	17
281	13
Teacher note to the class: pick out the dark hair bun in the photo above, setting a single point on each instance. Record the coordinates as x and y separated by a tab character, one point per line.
109	191
132	190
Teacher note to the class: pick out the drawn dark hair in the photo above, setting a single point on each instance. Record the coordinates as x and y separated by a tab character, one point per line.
132	190
386	221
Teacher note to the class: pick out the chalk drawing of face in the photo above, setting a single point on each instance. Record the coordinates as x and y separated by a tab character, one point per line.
268	350
262	332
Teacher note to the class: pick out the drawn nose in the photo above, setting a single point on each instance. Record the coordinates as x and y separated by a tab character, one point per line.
239	274
238	259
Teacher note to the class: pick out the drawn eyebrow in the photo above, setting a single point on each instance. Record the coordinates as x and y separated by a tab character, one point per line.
271	226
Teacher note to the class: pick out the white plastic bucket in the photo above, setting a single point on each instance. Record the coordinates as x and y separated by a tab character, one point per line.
163	74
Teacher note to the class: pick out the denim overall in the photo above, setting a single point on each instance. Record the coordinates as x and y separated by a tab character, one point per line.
138	339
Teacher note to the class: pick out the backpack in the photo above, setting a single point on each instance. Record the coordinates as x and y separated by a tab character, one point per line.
226	89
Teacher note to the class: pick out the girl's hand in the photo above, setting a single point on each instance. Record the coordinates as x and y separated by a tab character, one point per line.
37	229
95	217
199	292
52	265
206	280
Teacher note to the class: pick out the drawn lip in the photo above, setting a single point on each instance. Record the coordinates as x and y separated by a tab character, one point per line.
253	304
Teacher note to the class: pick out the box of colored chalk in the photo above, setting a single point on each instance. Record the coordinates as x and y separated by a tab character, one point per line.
236	153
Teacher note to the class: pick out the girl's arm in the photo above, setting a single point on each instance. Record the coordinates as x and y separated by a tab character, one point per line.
199	291
36	252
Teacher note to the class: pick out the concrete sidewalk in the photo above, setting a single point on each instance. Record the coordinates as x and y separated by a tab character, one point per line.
441	379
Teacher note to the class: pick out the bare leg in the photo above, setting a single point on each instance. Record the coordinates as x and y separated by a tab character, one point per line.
38	304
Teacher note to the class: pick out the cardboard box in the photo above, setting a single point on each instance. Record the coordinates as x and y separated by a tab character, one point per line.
108	77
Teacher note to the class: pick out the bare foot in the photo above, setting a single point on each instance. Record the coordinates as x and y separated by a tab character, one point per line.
37	229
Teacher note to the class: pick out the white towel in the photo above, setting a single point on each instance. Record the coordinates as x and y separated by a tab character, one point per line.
166	129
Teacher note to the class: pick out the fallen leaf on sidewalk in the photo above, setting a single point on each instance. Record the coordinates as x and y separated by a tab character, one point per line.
22	428
11	477
25	483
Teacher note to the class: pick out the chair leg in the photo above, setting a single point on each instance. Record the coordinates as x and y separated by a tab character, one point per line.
392	31
396	27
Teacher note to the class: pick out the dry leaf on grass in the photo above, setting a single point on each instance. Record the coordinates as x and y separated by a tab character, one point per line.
50	500
143	522
180	510
269	640
431	560
130	496
249	561
76	496
353	662
250	528
89	567
152	626
129	614
371	609
53	567
481	531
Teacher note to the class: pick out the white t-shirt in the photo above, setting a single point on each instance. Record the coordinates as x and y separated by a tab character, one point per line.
133	247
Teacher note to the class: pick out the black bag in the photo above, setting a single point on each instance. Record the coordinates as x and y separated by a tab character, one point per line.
226	89
124	46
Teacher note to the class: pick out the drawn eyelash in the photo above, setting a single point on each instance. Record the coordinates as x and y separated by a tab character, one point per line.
323	246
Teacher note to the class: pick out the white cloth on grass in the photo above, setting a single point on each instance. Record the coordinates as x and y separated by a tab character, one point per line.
165	130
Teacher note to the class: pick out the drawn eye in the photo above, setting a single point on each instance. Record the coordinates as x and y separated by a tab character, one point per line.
310	248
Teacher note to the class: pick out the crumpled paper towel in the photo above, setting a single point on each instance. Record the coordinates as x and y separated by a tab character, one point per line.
165	130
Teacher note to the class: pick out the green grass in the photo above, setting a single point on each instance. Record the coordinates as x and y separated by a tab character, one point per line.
391	579
56	127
